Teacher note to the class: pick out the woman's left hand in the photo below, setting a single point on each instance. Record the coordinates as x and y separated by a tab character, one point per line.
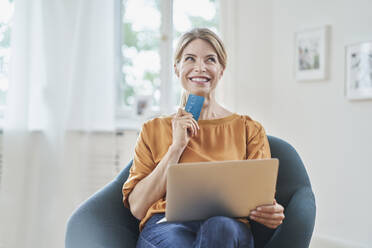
270	216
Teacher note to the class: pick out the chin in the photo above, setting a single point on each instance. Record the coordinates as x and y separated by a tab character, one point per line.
199	92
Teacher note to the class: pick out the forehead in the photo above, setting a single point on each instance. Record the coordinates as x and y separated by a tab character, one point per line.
199	47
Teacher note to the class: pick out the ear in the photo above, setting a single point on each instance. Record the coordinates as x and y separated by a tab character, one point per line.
176	71
221	73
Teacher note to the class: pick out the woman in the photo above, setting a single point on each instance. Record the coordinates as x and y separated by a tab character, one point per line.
200	60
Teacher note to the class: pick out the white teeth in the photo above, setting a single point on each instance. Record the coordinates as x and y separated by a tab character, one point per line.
199	79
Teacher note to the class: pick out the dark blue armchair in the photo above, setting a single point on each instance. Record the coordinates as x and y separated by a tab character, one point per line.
102	220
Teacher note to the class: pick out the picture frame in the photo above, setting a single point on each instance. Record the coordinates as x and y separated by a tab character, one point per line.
358	71
311	54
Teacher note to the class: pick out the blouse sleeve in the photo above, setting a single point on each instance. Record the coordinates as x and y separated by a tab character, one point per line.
257	143
143	164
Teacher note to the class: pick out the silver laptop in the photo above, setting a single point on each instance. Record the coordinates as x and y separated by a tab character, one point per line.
197	191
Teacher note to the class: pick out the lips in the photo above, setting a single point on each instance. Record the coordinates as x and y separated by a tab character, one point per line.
199	79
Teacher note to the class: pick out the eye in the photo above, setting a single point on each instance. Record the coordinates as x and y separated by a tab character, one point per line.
189	58
212	59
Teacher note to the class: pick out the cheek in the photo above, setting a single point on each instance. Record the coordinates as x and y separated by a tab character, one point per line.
217	73
184	70
220	72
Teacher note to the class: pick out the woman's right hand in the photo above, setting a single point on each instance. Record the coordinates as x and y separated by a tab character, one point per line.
184	126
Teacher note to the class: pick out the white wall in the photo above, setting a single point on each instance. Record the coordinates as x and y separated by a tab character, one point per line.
332	135
247	80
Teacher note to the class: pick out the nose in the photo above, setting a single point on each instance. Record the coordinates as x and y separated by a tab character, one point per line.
199	66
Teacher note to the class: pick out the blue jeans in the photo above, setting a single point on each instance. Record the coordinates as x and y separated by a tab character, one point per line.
215	232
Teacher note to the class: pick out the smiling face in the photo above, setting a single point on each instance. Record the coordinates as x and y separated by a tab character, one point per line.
199	69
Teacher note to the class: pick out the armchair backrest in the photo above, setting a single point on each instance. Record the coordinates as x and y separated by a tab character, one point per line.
124	174
292	178
292	173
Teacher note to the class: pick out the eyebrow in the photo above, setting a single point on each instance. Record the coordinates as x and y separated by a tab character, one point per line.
193	55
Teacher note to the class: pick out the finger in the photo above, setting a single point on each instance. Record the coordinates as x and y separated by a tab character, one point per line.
184	112
196	126
191	117
186	116
266	222
266	209
278	205
192	121
271	208
179	112
269	216
190	127
265	214
272	226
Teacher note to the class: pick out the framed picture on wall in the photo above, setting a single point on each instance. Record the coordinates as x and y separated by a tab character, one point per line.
359	71
311	54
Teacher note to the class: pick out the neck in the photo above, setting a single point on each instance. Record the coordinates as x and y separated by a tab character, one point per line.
212	110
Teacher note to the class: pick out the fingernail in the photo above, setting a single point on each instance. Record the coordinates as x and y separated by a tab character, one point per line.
253	212
259	209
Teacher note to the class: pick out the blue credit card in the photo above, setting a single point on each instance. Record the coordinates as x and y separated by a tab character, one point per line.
194	105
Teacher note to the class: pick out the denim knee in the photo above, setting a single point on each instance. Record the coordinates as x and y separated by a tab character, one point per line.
226	232
224	225
165	236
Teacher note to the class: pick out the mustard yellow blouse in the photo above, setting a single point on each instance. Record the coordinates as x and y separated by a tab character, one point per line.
235	137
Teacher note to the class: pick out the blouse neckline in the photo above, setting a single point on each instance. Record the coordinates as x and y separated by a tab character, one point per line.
219	120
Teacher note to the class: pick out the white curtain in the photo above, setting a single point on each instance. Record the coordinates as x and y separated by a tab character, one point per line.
62	90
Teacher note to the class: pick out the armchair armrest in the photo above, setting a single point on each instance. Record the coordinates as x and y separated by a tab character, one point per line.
298	225
102	221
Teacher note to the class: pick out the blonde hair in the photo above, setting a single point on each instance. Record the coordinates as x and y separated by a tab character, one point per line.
204	34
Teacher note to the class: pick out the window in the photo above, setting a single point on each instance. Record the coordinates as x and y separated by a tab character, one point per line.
150	30
6	12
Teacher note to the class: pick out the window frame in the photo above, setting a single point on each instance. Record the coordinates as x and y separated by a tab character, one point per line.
125	116
4	106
